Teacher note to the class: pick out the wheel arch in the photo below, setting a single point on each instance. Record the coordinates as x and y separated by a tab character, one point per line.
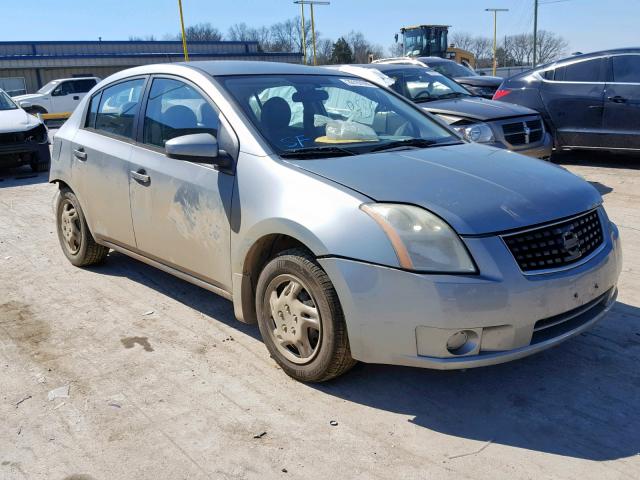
257	252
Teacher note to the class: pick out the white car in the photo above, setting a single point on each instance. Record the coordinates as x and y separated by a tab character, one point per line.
23	138
57	96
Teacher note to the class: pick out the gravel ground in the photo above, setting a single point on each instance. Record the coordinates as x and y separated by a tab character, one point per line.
165	384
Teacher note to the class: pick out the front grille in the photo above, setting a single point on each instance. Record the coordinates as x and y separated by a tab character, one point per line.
523	133
9	138
556	245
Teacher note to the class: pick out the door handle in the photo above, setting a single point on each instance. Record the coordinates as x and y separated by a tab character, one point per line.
617	99
80	154
140	176
76	97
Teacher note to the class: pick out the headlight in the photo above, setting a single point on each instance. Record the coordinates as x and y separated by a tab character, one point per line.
421	240
476	132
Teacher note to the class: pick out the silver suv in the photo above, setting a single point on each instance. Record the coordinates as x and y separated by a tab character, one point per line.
345	221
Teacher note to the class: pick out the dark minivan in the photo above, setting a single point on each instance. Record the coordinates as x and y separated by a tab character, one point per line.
589	101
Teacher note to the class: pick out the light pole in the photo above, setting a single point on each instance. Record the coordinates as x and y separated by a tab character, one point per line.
302	3
535	33
495	33
184	36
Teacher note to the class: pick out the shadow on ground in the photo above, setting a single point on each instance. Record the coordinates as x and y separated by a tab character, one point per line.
199	299
20	176
580	399
594	158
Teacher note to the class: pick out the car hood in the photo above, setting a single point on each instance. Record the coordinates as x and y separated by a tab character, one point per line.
476	108
480	81
16	120
477	189
28	96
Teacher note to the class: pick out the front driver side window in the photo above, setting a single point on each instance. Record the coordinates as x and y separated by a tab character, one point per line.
175	109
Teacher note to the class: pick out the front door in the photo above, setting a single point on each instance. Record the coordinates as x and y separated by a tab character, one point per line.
62	100
100	164
180	209
622	103
574	99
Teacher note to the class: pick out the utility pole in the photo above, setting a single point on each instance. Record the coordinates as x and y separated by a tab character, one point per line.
495	33
302	3
184	36
304	35
535	33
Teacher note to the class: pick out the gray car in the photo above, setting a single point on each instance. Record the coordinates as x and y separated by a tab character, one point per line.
589	101
338	216
477	119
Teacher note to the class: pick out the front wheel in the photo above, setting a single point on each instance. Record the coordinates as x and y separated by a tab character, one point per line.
75	238
300	318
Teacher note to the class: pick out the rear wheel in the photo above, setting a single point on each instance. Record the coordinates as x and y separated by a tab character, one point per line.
75	238
300	318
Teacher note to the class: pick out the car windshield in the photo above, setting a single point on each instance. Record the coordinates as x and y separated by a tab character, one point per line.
5	102
329	114
453	69
425	85
48	87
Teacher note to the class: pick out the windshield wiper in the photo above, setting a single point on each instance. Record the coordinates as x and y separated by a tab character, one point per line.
317	152
410	142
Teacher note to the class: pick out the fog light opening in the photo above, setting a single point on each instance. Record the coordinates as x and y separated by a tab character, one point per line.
462	342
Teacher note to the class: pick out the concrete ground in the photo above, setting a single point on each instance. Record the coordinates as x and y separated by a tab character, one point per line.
165	384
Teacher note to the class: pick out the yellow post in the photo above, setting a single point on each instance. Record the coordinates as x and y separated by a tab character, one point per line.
313	35
304	39
495	40
184	36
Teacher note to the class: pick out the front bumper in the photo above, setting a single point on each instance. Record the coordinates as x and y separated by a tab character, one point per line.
19	153
403	318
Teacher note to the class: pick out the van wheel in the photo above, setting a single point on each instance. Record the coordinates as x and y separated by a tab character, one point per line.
75	238
300	318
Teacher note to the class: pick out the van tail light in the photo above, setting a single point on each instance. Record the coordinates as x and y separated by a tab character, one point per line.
501	92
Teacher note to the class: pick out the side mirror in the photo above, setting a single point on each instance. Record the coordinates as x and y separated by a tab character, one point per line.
197	147
25	105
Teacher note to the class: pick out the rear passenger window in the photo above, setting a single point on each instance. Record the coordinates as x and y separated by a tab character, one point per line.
587	71
175	109
626	68
93	110
118	107
83	86
548	75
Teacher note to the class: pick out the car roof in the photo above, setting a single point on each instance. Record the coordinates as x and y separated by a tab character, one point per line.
74	78
219	68
586	56
385	67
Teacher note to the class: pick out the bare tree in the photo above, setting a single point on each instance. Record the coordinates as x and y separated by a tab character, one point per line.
482	48
146	38
362	48
519	48
324	51
463	40
201	32
396	49
240	32
550	46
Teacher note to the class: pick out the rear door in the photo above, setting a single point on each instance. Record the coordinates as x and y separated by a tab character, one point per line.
101	152
574	98
181	208
622	103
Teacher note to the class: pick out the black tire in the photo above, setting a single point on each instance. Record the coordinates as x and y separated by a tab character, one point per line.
332	356
85	251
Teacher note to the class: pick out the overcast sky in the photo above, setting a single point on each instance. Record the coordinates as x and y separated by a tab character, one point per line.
588	25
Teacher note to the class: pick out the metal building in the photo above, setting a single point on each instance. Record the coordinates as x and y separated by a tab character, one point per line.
26	66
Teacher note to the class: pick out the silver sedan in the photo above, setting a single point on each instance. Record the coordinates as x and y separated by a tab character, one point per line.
342	219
